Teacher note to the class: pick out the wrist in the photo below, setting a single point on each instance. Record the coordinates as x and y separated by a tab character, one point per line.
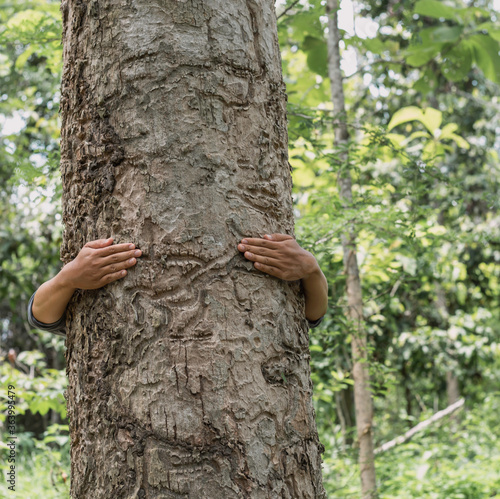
64	279
313	270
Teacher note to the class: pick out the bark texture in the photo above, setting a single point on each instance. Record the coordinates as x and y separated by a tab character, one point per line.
362	395
190	377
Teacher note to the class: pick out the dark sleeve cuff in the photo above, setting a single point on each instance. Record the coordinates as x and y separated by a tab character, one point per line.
58	327
315	323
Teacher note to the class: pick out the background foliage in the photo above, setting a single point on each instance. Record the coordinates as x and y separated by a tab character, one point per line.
422	89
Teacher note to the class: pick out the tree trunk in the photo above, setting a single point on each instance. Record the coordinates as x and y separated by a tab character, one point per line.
408	395
452	386
344	402
362	395
190	377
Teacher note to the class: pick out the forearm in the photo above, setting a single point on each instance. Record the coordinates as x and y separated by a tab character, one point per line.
52	298
316	294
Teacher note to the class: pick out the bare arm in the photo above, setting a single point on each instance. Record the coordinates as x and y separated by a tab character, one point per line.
281	256
98	263
316	293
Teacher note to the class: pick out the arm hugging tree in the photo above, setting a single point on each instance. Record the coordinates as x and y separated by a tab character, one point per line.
191	376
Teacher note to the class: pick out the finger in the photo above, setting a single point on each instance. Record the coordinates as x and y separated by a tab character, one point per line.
268	269
115	267
99	243
277	237
264	243
119	257
273	262
257	250
116	248
106	279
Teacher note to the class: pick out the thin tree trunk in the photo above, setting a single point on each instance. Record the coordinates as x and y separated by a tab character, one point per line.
452	386
342	420
54	415
362	395
408	394
190	377
345	411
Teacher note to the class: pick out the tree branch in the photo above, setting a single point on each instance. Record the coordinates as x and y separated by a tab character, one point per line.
421	426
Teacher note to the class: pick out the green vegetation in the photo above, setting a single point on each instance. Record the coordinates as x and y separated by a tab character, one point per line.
423	109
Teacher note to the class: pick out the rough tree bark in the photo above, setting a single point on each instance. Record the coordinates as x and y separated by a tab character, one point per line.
190	377
362	395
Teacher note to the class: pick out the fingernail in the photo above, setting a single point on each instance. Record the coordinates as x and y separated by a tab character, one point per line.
132	246
268	236
243	247
248	254
138	253
244	241
132	260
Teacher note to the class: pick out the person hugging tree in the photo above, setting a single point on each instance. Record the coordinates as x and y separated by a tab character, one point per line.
101	262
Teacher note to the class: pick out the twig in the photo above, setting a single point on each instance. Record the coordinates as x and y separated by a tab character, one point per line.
288	8
395	287
421	426
376	61
328	236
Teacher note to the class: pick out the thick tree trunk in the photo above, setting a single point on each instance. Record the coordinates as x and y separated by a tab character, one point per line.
362	395
190	377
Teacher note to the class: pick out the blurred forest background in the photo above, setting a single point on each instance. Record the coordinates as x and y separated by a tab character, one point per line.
421	82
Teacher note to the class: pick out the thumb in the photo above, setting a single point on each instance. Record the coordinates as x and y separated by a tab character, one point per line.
277	237
99	243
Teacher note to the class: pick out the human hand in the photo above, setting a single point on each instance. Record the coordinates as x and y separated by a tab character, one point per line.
279	255
99	263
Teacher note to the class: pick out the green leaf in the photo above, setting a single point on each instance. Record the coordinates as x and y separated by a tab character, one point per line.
427	43
374	45
460	141
432	119
305	23
39	405
458	61
448	130
471	15
436	9
486	56
23	58
492	28
316	348
417	56
423	47
396	138
418	135
4	65
317	55
25	20
404	115
427	82
446	34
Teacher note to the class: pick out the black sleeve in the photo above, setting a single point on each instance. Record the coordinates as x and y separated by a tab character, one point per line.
58	327
317	322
